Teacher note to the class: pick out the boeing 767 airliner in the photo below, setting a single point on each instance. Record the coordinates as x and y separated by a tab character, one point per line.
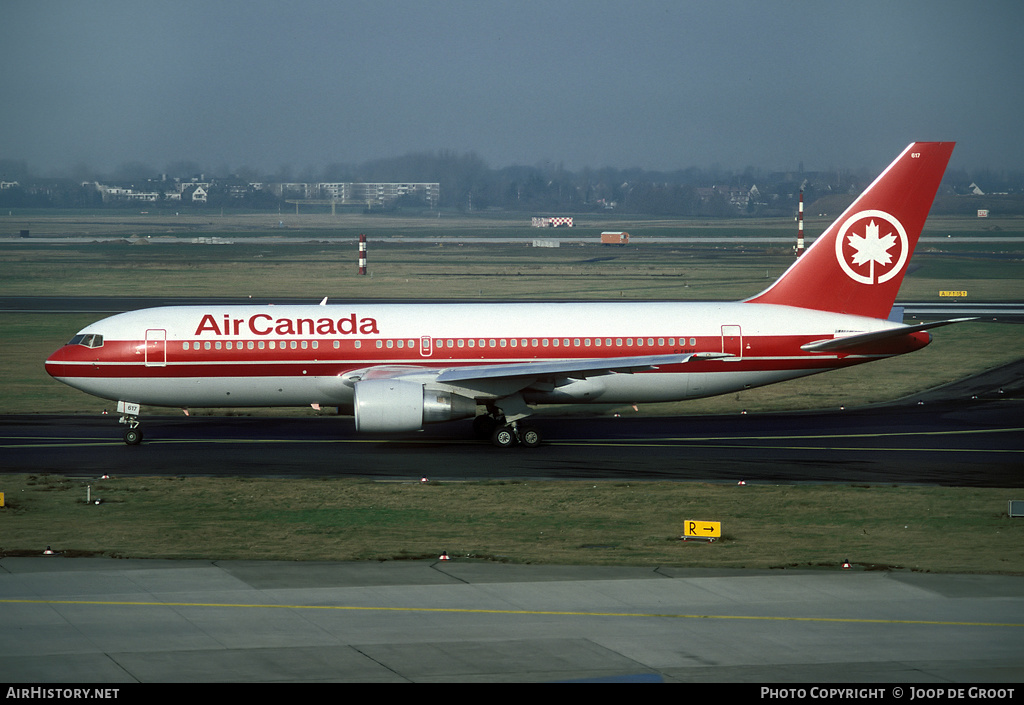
401	366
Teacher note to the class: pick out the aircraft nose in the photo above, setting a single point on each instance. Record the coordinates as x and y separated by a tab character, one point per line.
54	364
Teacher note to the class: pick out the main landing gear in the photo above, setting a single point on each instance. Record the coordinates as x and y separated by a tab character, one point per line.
130	417
504	434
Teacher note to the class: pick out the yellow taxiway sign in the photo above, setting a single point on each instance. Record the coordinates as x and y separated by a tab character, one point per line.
702	529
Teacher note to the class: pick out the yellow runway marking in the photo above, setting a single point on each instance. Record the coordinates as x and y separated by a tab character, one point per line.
860	449
741	441
680	441
671	439
550	613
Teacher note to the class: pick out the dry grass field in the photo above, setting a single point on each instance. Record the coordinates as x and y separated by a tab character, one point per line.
636	523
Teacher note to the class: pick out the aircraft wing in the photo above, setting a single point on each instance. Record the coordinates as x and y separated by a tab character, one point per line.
850	342
514	376
590	367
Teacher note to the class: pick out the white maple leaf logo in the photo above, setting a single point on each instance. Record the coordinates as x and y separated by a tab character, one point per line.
871	248
889	252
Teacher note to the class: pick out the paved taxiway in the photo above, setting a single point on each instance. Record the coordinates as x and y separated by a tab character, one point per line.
948	445
967	433
116	621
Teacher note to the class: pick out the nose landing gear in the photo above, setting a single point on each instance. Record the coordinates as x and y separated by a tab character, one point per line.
133	436
130	417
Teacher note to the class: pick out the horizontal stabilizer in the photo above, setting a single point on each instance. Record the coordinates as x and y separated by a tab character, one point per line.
857	340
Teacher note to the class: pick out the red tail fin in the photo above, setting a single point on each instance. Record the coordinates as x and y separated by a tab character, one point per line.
857	265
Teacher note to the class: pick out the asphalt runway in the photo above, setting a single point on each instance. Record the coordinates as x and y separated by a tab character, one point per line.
115	622
970	433
979	445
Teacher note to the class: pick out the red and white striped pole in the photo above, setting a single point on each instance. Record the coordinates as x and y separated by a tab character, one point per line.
800	227
362	254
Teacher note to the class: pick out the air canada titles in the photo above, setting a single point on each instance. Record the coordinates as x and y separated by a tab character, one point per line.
265	324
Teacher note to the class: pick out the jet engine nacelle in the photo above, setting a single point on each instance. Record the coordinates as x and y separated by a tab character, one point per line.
397	405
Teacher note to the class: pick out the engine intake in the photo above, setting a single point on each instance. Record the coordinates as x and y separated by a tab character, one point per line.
397	405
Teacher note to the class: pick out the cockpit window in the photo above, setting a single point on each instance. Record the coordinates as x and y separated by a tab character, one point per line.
89	340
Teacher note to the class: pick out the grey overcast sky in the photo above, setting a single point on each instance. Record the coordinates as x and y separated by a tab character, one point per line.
656	84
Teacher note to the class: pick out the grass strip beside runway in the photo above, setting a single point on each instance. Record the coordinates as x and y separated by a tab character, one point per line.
932	529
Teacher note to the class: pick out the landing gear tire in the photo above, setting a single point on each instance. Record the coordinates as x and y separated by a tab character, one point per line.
504	437
529	437
133	436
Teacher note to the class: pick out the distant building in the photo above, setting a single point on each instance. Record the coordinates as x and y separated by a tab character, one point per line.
379	194
118	193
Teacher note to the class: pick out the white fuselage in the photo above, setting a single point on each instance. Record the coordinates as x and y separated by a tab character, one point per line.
230	356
